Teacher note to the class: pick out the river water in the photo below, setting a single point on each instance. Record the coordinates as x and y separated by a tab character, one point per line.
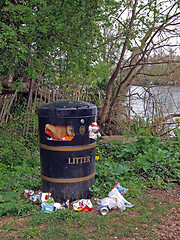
158	100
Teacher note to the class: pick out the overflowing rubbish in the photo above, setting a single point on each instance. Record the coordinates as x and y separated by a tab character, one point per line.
48	204
115	200
59	132
32	196
58	205
46	197
122	190
67	204
48	207
94	131
82	205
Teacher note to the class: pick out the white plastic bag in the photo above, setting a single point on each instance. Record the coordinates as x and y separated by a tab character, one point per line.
122	203
109	202
114	200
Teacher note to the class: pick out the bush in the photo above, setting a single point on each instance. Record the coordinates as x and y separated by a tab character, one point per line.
148	161
19	165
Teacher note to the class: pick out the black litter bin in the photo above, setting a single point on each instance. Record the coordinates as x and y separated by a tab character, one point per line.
66	151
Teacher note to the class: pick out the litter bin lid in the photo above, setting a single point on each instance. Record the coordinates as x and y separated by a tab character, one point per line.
67	109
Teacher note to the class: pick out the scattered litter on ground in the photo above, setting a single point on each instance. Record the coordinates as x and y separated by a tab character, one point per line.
82	205
36	152
115	200
103	210
122	190
48	207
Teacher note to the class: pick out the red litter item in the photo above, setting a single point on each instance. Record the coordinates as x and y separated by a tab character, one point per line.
82	205
120	189
93	130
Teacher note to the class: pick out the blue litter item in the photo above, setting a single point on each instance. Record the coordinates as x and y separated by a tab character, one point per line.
48	207
121	190
36	152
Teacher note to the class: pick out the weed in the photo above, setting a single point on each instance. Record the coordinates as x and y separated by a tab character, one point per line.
19	167
143	163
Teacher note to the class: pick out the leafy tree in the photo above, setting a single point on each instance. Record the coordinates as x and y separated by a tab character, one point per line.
46	41
137	29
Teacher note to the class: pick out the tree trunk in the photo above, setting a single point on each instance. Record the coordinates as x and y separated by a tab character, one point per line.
105	108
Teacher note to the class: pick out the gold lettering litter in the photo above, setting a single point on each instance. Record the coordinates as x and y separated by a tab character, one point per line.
79	160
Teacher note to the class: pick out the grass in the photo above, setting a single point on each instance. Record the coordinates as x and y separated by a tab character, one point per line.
67	224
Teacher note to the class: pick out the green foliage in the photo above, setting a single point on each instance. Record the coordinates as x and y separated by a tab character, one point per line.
18	86
19	165
48	37
97	82
177	135
0	87
147	161
137	126
11	203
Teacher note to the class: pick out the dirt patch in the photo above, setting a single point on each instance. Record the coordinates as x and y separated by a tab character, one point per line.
169	228
5	220
117	137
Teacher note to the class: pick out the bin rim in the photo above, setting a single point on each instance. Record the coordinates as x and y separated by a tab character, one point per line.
66	108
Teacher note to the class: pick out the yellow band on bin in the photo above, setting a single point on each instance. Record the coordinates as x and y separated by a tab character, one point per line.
67	180
68	148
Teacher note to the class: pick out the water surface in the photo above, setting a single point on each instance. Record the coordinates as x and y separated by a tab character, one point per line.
155	100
